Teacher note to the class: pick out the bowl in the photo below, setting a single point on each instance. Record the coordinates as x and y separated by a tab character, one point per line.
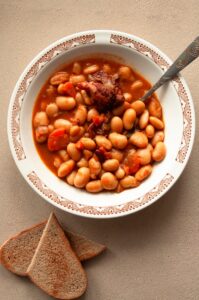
178	110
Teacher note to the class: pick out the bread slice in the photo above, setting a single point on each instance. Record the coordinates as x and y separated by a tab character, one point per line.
55	268
17	252
83	247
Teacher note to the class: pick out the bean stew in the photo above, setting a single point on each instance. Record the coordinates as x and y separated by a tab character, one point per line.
91	130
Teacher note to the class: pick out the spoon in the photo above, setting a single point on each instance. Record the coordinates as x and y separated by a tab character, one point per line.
185	58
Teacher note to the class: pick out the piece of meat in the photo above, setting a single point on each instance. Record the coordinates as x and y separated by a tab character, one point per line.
104	90
102	154
99	125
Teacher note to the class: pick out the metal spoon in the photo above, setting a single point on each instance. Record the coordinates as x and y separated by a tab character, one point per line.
185	58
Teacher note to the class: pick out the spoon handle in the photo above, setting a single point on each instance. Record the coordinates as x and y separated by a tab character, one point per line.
185	58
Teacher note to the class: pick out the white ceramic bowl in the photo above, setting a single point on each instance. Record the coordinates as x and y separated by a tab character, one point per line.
178	113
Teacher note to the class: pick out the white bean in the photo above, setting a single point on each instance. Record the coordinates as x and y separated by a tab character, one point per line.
52	109
57	162
62	123
41	134
75	79
139	106
81	114
88	143
120	173
159	151
111	165
129	182
95	167
75	130
40	119
77	68
64	155
144	156
124	72
150	131
94	186
155	108
79	98
118	141
65	103
109	181
102	141
82	163
116	124
139	139
143	172
59	77
87	154
66	168
144	119
157	123
136	85
74	153
158	137
91	69
129	118
71	177
82	177
117	154
75	138
86	98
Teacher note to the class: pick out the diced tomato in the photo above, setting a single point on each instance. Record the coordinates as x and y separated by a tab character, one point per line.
133	164
98	120
126	169
58	140
69	89
79	145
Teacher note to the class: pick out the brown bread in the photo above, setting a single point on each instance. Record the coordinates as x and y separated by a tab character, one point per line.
17	252
83	247
55	268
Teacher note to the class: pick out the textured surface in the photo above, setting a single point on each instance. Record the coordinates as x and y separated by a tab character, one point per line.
153	254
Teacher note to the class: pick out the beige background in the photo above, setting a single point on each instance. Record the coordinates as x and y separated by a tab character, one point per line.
153	254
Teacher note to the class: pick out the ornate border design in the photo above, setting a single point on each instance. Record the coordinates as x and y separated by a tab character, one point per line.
184	100
100	211
36	67
34	179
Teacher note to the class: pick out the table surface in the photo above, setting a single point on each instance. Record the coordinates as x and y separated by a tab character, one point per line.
153	254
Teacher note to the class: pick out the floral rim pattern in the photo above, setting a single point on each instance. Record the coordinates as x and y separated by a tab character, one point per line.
96	210
32	72
34	179
184	100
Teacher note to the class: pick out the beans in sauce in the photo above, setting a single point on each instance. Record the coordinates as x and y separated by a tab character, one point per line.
91	129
